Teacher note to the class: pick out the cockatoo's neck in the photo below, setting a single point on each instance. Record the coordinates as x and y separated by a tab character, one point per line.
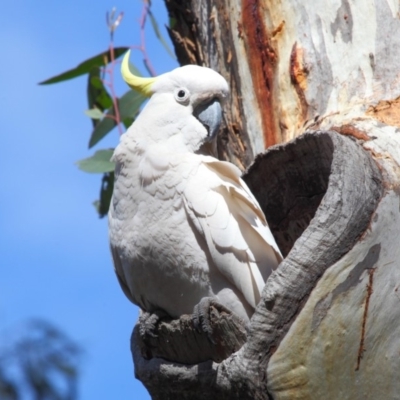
172	129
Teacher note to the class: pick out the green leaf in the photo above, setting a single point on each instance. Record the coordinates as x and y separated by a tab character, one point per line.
160	37
107	185
97	94
127	122
99	162
172	22
94	80
85	67
94	113
103	100
128	105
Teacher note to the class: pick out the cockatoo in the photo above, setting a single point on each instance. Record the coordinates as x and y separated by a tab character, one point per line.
183	226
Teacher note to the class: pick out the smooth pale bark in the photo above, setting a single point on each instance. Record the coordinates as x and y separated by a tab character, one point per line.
327	326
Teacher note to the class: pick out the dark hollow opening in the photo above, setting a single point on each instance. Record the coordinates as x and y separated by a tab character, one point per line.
289	181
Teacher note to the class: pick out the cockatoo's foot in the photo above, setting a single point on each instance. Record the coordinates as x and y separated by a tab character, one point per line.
201	315
148	323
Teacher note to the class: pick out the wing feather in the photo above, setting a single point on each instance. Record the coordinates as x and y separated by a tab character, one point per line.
241	244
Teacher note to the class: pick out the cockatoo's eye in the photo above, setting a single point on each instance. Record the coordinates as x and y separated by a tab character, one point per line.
182	95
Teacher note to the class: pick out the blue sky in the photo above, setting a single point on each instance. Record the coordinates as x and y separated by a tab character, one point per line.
55	258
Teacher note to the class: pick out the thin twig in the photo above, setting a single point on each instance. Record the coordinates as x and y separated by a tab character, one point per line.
112	90
112	26
142	47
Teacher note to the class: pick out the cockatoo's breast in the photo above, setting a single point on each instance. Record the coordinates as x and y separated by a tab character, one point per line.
160	258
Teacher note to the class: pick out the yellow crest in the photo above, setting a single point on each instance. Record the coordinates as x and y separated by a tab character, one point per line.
141	85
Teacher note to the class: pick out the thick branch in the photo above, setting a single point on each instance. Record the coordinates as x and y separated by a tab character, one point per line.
177	340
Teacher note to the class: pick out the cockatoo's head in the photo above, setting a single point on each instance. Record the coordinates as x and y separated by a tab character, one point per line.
186	101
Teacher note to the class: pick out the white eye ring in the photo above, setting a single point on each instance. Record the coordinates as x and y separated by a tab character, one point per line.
182	95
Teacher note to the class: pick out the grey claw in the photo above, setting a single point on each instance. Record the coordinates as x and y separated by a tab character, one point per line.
201	316
148	323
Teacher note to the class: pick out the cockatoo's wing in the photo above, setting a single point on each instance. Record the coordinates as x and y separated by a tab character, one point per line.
225	212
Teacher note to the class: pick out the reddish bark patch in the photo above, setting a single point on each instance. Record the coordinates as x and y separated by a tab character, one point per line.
386	111
350	130
262	60
298	76
278	29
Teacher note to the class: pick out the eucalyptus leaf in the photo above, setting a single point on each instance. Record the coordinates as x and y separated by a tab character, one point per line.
172	23
94	113
127	122
97	94
99	162
85	67
160	37
128	105
107	185
94	80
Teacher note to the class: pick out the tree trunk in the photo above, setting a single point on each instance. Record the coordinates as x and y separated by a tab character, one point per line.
319	82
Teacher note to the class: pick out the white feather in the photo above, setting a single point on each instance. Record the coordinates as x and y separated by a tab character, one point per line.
240	242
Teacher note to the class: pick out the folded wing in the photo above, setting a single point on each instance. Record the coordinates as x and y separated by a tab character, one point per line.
229	217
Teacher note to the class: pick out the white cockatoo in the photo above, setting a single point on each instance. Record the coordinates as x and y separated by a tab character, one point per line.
183	225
